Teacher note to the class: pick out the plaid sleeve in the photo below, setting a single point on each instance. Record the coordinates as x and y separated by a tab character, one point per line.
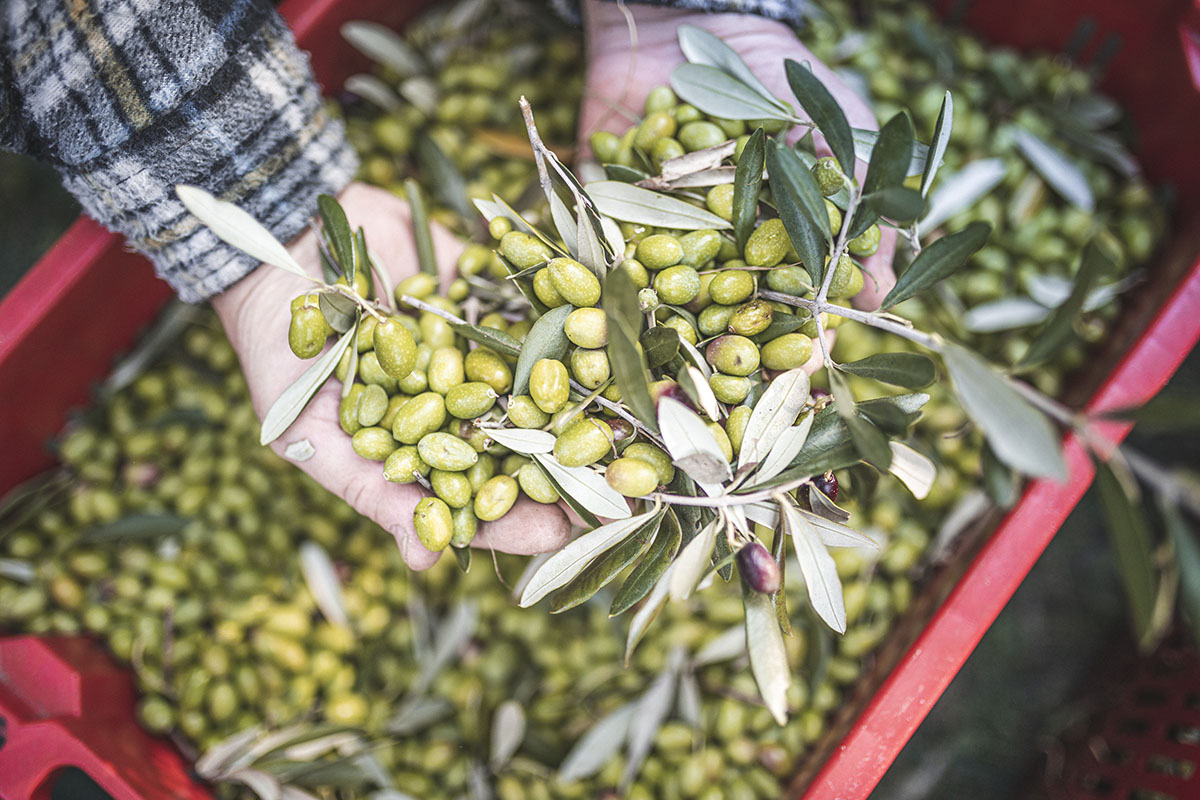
789	11
129	97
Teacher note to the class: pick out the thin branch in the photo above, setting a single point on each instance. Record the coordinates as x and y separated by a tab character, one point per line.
421	305
885	322
620	411
535	140
729	500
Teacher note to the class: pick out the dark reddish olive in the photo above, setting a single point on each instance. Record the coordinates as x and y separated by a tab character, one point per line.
759	569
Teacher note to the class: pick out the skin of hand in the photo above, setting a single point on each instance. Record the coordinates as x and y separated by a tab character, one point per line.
255	312
620	75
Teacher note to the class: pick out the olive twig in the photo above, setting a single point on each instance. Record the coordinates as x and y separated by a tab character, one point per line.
359	300
838	249
620	412
421	305
729	500
885	322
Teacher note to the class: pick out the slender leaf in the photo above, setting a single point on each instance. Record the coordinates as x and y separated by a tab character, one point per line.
768	657
802	209
1187	555
907	370
546	339
785	448
630	203
1002	483
1019	434
701	47
508	731
647	573
1132	549
1057	330
594	247
446	182
608	566
1005	314
422	92
691	444
780	324
138	527
454	632
323	583
341	237
1059	171
721	95
962	190
868	440
693	561
521	440
938	261
692	381
621	303
898	203
339	311
422	233
835	534
747	182
503	343
579	508
724	647
660	344
381	43
824	111
417	714
291	402
564	223
941	140
915	470
775	412
586	486
235	227
885	174
624	353
598	746
817	566
688	704
373	90
864	146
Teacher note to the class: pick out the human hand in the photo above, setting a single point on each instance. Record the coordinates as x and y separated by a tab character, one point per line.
255	313
620	76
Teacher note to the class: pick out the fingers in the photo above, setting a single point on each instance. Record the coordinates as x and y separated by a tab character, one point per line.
527	529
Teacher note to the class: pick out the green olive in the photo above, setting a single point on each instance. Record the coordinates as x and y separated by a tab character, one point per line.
729	388
719	433
452	487
446	451
731	286
719	201
714	320
655	126
421	285
590	367
677	285
666	149
733	355
375	444
446	369
536	485
842	276
524	250
751	318
659	251
700	135
483	469
828	175
307	332
866	243
683	327
371	372
574	282
466	524
433	523
789	351
403	465
636	271
768	244
631	477
735	426
789	280
543	288
470	400
420	416
835	217
587	327
525	413
653	456
495	498
605	146
486	366
699	247
497	228
549	385
584	442
348	410
660	98
395	349
372	405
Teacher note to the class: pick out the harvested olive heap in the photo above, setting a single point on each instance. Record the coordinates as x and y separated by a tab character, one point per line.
244	595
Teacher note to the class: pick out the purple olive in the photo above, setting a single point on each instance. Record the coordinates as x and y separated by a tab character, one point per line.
759	568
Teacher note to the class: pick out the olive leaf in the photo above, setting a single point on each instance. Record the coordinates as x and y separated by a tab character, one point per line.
502	342
323	584
1132	549
692	561
624	353
564	223
352	368
864	146
339	311
652	566
336	228
508	731
660	344
885	174
781	324
136	527
381	43
817	566
372	271
594	248
236	227
719	94
454	632
726	646
824	111
688	704
608	566
868	440
1058	170
546	339
768	657
575	505
462	556
422	233
652	710
1019	434
692	446
747	182
1187	555
1002	483
649	610
701	47
802	209
1007	313
1057	330
598	746
630	203
447	182
962	190
14	569
698	161
907	370
697	360
937	261
915	470
786	446
417	714
526	441
898	203
825	508
694	384
422	92
291	402
585	487
941	140
373	90
775	412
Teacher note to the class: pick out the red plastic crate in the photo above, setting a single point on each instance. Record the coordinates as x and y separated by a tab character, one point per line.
1155	74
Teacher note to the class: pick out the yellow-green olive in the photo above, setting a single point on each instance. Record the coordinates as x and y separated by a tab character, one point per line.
715	319
659	251
631	477
366	333
536	485
420	416
420	286
700	135
549	385
829	176
446	369
733	355
722	438
655	126
435	331
585	441
524	250
483	469
375	444
525	413
789	280
495	498
574	282
729	388
735	426
841	276
637	272
768	244
543	288
475	257
653	456
307	332
605	146
446	451
372	405
731	286
789	351
751	318
866	243
720	201
393	408
470	400
348	410
486	366
453	487
665	149
587	327
395	348
660	98
590	367
683	328
370	371
699	247
465	525
433	523
677	285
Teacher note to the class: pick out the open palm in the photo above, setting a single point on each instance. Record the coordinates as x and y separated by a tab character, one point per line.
256	315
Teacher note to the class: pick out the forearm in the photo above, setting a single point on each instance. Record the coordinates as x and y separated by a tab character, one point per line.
128	104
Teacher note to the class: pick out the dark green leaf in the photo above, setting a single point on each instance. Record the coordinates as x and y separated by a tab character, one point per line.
940	141
624	353
1020	435
801	207
898	203
422	234
887	170
938	261
780	324
1003	485
643	577
600	572
824	111
546	339
362	258
722	95
1056	333
660	344
1132	548
620	301
723	557
1187	556
624	174
503	343
448	184
908	370
1166	411
868	441
864	146
339	311
337	229
136	527
747	182
463	556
